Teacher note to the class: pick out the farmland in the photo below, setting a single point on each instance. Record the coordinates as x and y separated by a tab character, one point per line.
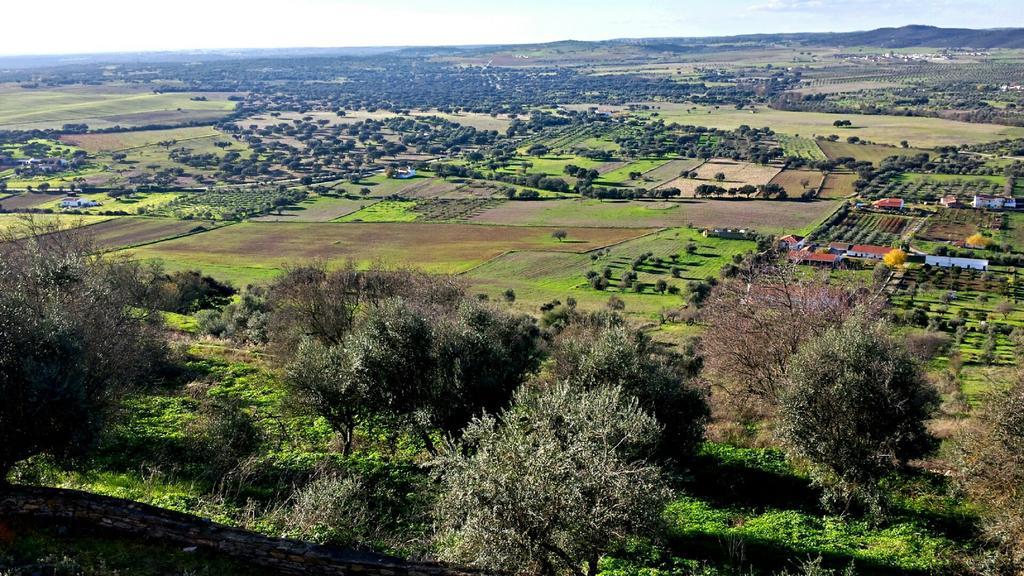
580	232
258	250
104	107
766	216
865	152
860	227
797	182
919	132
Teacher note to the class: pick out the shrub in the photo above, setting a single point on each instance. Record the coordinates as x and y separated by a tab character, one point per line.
855	409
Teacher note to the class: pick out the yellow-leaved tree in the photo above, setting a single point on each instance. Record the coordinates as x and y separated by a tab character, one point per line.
895	258
978	240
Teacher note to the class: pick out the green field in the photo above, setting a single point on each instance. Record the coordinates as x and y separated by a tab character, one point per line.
385	211
539	277
762	216
104	107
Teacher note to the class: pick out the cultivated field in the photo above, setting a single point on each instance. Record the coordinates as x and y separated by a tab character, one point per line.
919	131
796	182
318	209
761	215
539	277
104	107
134	231
737	173
26	200
670	171
258	250
838	185
865	152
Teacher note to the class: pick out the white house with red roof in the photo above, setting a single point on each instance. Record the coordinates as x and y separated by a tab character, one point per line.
889	204
792	242
868	251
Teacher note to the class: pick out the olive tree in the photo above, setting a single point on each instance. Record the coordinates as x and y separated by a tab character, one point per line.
551	484
432	368
989	457
71	340
855	409
603	350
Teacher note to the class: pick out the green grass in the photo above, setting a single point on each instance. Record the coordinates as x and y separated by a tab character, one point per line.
620	176
386	211
539	277
800	147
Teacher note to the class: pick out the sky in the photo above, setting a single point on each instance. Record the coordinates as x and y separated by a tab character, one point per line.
92	26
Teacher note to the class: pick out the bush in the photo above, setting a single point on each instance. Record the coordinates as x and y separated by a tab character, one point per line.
855	409
551	485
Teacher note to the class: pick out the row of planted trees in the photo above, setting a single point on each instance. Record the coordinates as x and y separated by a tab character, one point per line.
543	448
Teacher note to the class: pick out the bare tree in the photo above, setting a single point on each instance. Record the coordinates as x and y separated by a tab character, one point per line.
758	319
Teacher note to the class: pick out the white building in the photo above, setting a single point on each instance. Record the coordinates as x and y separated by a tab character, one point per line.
951	262
994	202
78	203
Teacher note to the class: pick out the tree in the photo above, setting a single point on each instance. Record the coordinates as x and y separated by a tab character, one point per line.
720	177
896	258
71	342
601	350
758	319
855	408
1005	308
321	378
510	295
989	457
549	486
559	235
978	240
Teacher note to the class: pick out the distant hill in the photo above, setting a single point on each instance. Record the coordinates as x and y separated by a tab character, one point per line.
902	37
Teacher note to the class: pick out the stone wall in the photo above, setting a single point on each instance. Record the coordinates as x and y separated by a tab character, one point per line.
282	555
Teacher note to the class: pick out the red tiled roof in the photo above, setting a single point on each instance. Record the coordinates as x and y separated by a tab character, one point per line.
871	249
791	238
808	256
888	203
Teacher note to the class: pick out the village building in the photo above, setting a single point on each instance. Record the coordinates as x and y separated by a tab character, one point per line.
954	262
994	202
950	201
868	251
792	242
888	204
828	260
76	202
729	233
839	247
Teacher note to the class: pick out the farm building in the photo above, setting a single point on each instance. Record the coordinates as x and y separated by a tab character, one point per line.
950	201
815	258
994	202
839	247
952	262
72	202
402	173
868	251
792	242
888	204
729	233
